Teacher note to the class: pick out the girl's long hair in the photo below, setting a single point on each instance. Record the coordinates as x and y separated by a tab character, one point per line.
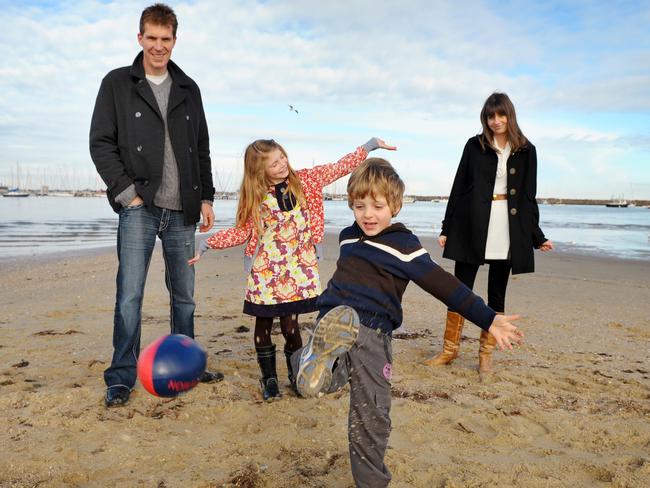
254	185
500	104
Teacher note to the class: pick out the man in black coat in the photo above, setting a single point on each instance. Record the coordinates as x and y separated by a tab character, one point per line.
149	142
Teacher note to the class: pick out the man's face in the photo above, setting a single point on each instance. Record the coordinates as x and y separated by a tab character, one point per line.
157	43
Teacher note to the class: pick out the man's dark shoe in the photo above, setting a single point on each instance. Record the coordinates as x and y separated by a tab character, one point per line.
211	377
117	396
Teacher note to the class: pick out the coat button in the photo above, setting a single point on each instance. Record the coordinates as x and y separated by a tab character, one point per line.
513	191
187	117
513	211
139	148
195	187
190	149
513	171
146	183
138	115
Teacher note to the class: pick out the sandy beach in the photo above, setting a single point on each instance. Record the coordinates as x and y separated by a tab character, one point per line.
570	408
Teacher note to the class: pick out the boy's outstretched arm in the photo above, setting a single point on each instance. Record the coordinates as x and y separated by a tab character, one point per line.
429	276
505	332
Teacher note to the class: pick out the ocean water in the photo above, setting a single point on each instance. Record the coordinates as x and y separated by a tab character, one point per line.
40	225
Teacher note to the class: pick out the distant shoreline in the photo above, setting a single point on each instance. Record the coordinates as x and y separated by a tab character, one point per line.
548	201
416	198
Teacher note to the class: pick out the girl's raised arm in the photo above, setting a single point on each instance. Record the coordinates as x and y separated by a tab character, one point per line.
329	173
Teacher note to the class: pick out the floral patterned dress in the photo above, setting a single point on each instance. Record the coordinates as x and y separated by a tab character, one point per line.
284	279
288	240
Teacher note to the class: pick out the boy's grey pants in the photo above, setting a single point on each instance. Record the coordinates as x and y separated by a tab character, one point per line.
368	368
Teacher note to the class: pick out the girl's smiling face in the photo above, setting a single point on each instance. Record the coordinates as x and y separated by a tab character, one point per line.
276	167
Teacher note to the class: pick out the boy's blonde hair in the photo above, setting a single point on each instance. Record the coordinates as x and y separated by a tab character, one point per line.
376	177
255	185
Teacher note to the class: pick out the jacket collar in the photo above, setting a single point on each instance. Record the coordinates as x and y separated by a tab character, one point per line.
396	227
177	93
476	138
177	74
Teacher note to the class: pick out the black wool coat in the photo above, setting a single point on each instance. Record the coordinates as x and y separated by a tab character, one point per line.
127	137
470	202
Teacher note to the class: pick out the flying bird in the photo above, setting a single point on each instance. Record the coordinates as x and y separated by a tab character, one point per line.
292	109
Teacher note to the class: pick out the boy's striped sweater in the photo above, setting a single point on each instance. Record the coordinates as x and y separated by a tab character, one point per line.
372	274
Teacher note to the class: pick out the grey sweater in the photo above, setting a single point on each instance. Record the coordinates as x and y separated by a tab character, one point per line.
168	194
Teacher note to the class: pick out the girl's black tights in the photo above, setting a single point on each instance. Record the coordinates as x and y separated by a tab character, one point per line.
288	326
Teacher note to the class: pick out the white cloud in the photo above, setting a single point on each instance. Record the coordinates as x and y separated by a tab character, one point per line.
416	71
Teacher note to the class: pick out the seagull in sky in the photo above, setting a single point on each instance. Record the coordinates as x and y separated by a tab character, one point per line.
292	109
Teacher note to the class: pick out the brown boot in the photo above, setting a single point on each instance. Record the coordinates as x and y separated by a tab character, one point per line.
485	353
451	343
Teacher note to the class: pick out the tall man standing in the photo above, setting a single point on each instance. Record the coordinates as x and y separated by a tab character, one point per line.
149	142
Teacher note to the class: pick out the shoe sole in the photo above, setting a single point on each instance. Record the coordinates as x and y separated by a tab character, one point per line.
334	335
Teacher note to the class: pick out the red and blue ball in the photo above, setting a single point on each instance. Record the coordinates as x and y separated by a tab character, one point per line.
171	365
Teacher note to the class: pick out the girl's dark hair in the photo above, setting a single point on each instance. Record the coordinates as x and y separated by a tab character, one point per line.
159	14
500	104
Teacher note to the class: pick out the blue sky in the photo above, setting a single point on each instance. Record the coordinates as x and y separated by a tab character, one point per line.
413	72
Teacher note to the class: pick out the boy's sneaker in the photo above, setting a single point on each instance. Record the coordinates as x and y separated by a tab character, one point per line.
334	335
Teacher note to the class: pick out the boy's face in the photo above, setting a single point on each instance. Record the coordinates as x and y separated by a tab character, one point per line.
373	215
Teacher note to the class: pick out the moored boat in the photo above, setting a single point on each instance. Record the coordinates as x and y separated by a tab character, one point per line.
618	203
15	192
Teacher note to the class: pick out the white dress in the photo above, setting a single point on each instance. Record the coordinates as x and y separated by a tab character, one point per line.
497	245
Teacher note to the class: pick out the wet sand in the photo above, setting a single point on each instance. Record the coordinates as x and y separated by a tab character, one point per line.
569	408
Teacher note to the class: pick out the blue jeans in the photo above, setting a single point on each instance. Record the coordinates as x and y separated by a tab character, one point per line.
136	237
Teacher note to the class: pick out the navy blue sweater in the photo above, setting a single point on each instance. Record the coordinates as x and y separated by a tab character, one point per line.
372	274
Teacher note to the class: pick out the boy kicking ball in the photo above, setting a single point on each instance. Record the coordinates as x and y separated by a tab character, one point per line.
362	306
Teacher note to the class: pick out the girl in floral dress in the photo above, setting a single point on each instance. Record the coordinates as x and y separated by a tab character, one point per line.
281	218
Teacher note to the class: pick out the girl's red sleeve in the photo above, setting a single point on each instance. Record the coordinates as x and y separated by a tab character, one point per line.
325	174
234	236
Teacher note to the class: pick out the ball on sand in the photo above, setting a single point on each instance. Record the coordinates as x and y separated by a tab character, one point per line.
171	365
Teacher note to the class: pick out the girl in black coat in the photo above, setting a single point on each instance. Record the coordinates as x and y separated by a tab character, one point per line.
492	217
